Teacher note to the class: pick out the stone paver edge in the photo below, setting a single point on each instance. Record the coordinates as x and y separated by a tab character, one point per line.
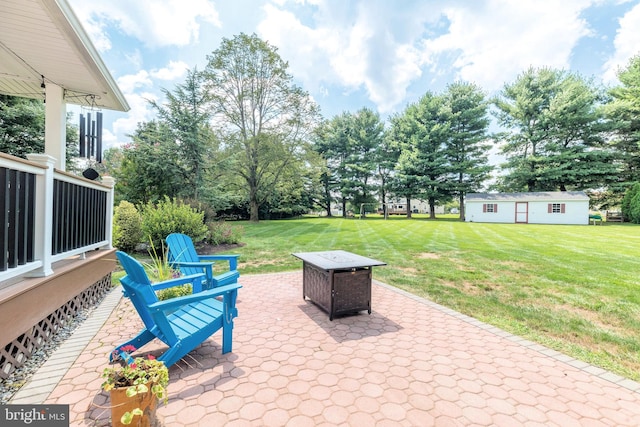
578	364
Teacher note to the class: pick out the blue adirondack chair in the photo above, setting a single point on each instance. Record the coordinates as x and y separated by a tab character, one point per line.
182	323
183	255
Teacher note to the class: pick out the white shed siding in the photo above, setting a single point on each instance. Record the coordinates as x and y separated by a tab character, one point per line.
534	208
474	212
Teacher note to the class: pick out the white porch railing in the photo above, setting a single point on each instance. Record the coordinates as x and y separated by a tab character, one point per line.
47	215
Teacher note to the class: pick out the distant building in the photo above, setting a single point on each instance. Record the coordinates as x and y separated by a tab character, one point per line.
552	207
398	207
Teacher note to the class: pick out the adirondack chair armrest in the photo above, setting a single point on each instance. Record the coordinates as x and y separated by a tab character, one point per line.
188	299
204	265
194	279
232	259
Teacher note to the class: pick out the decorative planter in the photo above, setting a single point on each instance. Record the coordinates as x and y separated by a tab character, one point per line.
120	403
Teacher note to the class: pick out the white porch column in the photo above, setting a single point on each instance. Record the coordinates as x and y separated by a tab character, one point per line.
55	125
44	214
111	183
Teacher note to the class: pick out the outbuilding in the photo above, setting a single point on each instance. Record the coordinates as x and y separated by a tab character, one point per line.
548	207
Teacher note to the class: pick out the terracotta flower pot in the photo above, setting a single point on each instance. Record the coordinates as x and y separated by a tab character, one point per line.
120	404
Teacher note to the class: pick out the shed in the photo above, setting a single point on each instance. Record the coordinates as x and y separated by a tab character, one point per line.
547	207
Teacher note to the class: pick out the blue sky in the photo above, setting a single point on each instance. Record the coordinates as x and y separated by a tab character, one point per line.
349	54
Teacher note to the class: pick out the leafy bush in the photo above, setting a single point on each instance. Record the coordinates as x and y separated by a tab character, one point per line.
171	216
127	226
631	204
222	233
208	211
176	291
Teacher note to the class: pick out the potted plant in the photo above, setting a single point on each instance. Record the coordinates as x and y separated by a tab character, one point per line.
135	386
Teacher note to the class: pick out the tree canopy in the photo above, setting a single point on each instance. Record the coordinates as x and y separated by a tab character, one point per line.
262	118
554	138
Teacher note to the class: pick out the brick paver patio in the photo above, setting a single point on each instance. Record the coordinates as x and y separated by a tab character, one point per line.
409	363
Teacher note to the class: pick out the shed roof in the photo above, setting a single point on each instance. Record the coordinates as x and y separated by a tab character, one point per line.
42	41
531	196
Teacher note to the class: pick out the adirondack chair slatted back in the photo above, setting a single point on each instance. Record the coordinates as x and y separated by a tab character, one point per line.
181	249
137	287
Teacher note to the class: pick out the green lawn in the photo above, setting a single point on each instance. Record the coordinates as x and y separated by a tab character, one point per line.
571	288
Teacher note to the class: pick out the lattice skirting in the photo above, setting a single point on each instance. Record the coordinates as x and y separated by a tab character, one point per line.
16	353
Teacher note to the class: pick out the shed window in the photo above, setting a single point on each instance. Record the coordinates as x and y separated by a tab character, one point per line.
490	207
556	208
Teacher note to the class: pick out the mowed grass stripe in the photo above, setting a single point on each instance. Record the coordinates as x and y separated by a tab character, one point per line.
572	288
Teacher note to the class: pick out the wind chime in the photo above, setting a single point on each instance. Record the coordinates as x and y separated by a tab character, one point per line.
91	138
91	135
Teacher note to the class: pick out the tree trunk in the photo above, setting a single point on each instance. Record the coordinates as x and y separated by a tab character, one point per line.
461	207
408	207
254	210
432	208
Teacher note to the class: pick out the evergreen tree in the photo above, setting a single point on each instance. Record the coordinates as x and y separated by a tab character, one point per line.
467	147
187	115
555	133
365	139
624	112
422	132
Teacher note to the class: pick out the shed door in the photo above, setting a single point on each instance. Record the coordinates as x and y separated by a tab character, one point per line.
522	212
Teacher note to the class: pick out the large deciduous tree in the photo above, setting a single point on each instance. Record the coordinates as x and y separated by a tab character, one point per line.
555	130
261	115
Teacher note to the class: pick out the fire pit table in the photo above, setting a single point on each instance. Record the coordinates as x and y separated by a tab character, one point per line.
339	282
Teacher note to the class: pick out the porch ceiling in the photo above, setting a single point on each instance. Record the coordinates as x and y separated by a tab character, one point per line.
43	40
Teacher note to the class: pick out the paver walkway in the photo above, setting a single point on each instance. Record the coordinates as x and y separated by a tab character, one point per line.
409	363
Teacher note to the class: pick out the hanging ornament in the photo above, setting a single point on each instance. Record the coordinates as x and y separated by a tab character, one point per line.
91	134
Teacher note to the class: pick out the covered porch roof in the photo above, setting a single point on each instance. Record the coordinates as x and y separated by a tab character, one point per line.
42	42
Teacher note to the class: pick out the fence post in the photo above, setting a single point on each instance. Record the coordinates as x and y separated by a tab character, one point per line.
111	183
44	214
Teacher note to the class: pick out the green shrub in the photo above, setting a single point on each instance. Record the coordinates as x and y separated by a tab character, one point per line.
171	216
127	226
208	211
222	233
176	291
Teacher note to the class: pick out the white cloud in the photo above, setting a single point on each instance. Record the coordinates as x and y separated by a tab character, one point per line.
383	49
129	83
140	112
626	43
173	71
353	47
155	23
494	41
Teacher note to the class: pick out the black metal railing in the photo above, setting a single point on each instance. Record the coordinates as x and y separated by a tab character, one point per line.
79	216
17	217
47	215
